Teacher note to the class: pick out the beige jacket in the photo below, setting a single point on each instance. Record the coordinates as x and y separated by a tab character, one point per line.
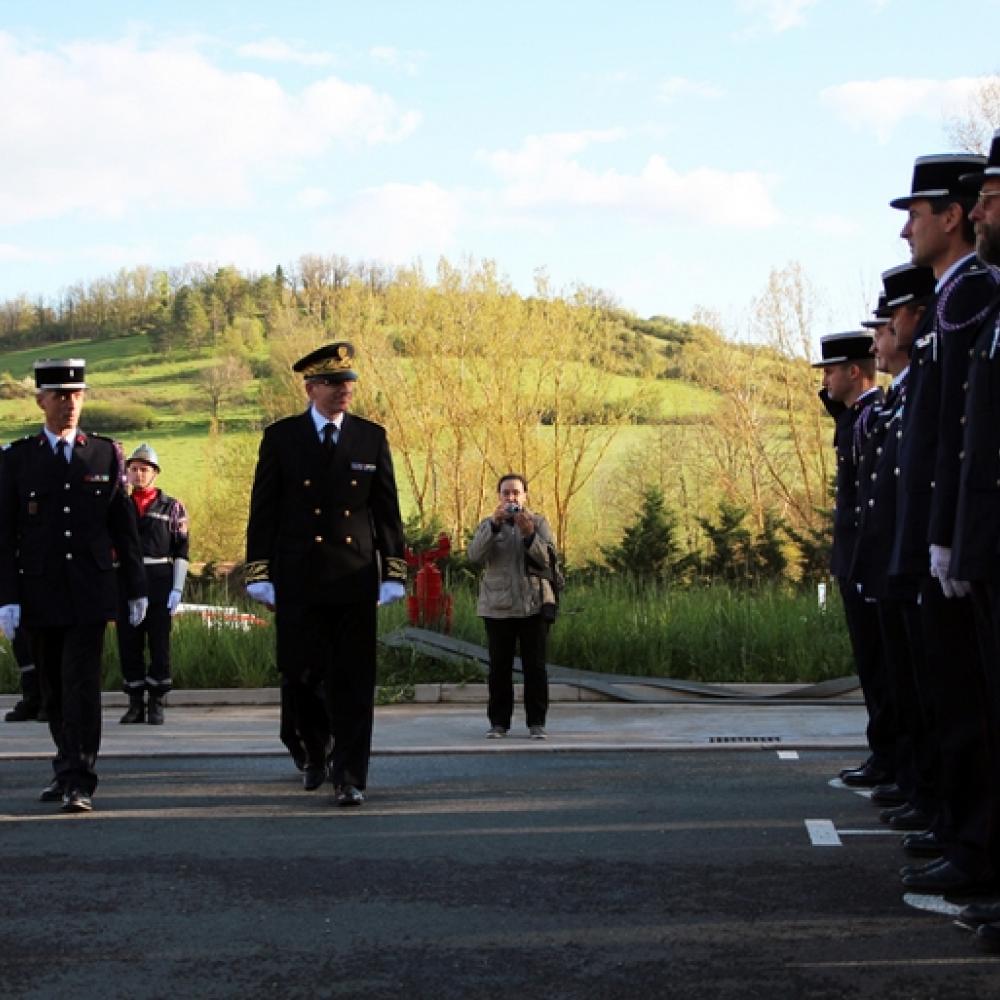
506	589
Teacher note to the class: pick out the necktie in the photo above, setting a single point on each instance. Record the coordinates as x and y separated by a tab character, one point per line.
330	437
62	449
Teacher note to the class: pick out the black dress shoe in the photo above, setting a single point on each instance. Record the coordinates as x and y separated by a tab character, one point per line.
945	877
912	819
988	937
52	792
24	711
892	811
976	914
313	777
920	869
76	801
852	770
348	795
926	844
867	776
888	795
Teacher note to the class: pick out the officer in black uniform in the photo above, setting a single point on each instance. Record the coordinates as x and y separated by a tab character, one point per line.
324	548
64	519
163	531
907	289
940	616
851	397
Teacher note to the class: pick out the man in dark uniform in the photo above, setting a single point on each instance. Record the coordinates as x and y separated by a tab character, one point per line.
907	288
64	519
324	548
851	397
940	617
163	531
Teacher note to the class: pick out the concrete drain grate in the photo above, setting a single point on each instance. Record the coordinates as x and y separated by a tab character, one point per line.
744	739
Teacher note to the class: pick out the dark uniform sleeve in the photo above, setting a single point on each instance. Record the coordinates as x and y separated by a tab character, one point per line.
8	532
265	499
386	519
123	526
958	324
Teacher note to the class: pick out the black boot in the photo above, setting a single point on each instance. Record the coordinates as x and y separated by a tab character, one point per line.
136	711
24	711
154	714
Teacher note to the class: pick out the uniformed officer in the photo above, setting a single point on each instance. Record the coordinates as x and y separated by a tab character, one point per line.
163	531
324	548
851	397
940	617
907	289
64	519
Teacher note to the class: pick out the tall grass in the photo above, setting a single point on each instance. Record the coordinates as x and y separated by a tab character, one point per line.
713	633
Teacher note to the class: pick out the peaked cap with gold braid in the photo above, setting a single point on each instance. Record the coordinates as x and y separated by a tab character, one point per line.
332	361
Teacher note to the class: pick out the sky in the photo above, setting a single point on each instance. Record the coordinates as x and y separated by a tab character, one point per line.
670	155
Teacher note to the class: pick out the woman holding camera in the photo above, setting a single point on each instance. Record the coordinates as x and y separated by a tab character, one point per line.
517	602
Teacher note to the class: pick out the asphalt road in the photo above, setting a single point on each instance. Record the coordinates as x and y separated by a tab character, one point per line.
578	875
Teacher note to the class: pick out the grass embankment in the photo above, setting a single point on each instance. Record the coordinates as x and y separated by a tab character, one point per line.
701	634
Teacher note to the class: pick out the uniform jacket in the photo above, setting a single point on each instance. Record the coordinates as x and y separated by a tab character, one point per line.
876	495
851	427
933	418
507	588
324	529
63	526
976	540
163	534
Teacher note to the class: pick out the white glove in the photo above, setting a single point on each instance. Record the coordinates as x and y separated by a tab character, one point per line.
173	599
262	591
137	610
10	618
391	590
940	569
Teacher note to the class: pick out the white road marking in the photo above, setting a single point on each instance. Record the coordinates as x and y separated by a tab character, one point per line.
788	755
931	904
823	833
883	831
865	793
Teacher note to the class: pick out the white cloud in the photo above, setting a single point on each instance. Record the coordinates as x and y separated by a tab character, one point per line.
405	62
99	128
880	105
836	225
397	222
680	86
779	15
313	197
545	173
276	50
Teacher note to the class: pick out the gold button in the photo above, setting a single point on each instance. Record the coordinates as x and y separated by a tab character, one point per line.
65	486
317	511
871	503
69	555
307	482
68	534
348	539
354	482
878	450
962	419
347	513
318	538
965	385
895	471
65	510
874	476
961	455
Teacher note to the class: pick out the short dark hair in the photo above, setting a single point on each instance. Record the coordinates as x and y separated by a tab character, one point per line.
512	475
966	203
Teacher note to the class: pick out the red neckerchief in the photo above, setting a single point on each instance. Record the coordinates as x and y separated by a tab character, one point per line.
143	498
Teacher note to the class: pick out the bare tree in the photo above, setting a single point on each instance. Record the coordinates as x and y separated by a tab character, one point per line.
973	130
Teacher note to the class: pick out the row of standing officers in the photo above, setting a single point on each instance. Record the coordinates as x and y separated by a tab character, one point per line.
916	544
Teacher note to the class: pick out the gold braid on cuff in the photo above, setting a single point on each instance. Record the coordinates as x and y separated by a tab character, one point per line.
258	571
395	569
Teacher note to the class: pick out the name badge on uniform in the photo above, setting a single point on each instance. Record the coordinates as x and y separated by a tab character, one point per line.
96	477
362	467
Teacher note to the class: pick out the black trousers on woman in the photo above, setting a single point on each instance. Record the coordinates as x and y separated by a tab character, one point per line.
504	635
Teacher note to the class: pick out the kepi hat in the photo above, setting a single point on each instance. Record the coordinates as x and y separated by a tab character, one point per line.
939	176
332	362
880	313
836	348
60	373
907	283
991	169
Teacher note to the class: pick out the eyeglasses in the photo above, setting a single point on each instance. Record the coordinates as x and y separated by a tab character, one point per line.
984	196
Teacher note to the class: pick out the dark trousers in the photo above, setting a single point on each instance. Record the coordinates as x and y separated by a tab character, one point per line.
68	660
154	632
866	645
957	682
986	602
25	657
504	635
326	654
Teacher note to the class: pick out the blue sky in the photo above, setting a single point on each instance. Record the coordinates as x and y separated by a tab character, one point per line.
669	154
